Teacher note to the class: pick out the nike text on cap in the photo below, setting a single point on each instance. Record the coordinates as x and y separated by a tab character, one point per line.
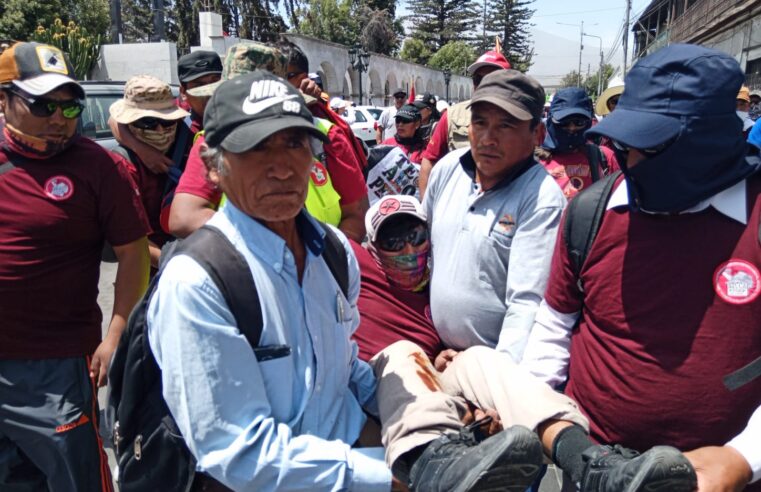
246	110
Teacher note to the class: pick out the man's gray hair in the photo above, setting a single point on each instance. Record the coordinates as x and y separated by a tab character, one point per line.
214	158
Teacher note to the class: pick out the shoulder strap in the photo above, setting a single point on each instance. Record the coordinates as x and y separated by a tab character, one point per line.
230	272
593	157
335	257
583	219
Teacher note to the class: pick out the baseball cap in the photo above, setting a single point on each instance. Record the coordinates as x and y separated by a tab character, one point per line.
489	59
744	94
570	101
246	110
399	90
197	64
512	91
146	96
408	112
244	58
337	102
389	206
676	82
37	69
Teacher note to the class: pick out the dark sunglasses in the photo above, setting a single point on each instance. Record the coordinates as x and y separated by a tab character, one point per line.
396	242
150	123
291	75
651	152
44	108
579	121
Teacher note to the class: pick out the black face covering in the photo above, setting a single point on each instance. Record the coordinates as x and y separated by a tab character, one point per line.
708	156
560	141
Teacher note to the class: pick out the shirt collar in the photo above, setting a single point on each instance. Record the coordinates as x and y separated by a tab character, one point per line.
269	246
469	166
731	202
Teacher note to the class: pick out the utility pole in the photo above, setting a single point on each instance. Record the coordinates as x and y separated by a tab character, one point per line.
116	21
581	42
626	33
158	20
599	73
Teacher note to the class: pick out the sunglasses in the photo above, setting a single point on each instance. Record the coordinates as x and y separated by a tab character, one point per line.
396	242
44	108
151	123
566	122
291	75
651	152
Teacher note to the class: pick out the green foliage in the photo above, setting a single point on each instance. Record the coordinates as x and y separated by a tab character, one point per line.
571	79
590	83
379	33
455	55
82	48
510	20
415	51
330	20
437	22
20	18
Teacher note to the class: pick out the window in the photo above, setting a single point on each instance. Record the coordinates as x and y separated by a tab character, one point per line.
359	117
375	112
94	119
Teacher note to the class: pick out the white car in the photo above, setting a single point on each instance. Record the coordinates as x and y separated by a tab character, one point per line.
364	123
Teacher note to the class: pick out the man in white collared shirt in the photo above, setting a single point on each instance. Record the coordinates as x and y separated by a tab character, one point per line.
668	299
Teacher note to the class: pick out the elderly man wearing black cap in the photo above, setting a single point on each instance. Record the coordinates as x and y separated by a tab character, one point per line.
61	196
386	123
666	308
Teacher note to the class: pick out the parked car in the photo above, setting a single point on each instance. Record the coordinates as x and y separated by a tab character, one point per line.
365	123
94	120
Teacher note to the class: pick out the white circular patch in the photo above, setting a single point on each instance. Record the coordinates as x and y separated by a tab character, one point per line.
737	281
59	188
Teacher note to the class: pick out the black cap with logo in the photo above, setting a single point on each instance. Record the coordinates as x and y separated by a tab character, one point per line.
246	110
197	64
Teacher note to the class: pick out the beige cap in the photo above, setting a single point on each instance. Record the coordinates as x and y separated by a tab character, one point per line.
744	94
615	88
146	96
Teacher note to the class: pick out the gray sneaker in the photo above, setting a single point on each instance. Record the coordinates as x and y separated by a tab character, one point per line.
507	461
617	469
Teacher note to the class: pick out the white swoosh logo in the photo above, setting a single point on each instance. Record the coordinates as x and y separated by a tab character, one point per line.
259	106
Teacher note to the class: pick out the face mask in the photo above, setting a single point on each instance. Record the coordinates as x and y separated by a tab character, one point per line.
560	141
742	115
408	272
160	140
708	156
34	147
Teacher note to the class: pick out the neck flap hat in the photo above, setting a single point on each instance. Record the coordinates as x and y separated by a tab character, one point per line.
244	58
573	101
679	108
37	69
248	109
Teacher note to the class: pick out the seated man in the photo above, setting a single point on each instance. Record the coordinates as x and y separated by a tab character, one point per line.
414	397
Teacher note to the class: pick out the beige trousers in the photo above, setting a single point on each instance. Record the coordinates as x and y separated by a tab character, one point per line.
417	404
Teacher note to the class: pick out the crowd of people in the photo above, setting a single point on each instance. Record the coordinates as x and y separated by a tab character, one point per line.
493	287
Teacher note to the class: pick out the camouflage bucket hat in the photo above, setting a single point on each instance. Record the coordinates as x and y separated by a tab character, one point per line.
146	96
244	58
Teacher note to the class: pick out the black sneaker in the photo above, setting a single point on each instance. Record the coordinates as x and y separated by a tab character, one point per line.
617	469
507	461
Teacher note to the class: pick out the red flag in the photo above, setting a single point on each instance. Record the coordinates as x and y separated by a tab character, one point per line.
412	92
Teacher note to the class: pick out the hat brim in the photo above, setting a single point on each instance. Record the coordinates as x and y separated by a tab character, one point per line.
205	90
121	113
199	75
562	114
637	129
385	219
510	108
248	136
601	106
472	69
48	82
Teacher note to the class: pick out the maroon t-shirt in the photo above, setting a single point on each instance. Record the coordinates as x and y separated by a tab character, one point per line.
56	214
388	314
672	305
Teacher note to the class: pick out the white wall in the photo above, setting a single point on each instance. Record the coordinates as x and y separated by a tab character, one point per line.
122	61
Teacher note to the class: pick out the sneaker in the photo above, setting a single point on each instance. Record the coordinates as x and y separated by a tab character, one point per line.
507	461
617	469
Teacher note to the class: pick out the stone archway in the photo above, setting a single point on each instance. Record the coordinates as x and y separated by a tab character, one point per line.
440	89
353	77
429	86
392	85
376	93
348	87
461	93
329	80
419	86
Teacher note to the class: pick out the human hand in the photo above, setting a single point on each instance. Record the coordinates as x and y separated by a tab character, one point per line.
310	88
719	469
493	426
155	161
444	358
101	360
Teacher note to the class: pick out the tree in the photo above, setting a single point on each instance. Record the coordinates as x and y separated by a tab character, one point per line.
437	22
415	51
379	34
82	48
510	21
19	19
591	82
330	20
455	56
571	79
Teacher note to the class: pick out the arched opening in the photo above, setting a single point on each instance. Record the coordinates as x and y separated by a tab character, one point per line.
392	84
329	80
375	92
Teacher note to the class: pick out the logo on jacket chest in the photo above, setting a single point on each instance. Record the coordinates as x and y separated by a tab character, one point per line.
737	281
59	188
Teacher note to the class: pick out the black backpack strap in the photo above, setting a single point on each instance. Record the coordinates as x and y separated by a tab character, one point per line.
743	376
335	257
582	221
231	274
593	157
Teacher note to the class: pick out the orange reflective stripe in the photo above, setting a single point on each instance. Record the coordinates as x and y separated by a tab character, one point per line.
105	472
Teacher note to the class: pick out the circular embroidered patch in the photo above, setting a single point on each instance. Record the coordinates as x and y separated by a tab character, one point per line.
389	206
319	174
737	281
59	188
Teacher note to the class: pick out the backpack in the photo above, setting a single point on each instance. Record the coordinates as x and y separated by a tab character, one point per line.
149	447
582	222
597	161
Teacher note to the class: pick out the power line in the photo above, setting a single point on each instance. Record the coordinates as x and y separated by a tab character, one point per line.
578	12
